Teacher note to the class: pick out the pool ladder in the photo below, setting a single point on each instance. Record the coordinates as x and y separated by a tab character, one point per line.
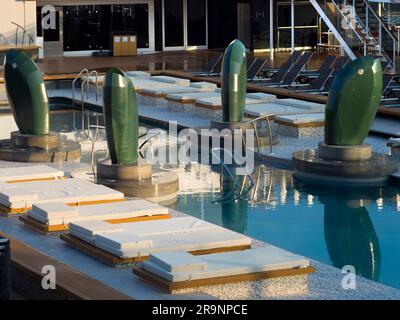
85	76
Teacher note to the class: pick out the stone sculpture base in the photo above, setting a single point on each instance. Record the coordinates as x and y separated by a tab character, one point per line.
350	165
139	180
38	148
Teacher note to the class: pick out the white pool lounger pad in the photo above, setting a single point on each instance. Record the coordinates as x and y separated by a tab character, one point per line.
251	98
185	96
204	87
302	118
60	213
187	233
274	108
175	267
29	173
24	194
173	80
316	107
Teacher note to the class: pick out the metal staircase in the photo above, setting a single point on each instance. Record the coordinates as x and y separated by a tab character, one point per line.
359	29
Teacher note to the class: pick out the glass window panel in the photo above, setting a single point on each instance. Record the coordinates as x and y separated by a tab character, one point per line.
196	22
173	23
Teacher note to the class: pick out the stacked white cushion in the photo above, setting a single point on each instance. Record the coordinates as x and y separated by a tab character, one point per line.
142	83
66	191
203	85
316	107
53	214
181	97
87	230
178	261
224	264
173	80
257	110
253	99
175	234
29	173
302	118
138	74
265	97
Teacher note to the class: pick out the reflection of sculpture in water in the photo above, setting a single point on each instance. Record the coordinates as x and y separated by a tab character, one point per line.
350	237
233	208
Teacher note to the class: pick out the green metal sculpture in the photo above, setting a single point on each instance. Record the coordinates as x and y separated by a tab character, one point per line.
234	80
353	102
121	117
26	93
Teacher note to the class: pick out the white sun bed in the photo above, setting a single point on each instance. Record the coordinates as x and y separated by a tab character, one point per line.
138	74
173	80
211	107
20	197
137	240
316	107
24	173
257	110
236	274
301	125
186	101
156	96
58	214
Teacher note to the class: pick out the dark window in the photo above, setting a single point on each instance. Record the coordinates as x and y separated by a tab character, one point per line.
196	22
173	23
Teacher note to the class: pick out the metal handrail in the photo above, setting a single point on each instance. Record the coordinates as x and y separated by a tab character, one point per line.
253	123
237	184
78	77
383	25
23	35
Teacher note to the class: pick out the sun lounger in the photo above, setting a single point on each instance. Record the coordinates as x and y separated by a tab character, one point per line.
318	84
254	70
133	242
327	64
313	106
285	67
138	74
212	107
174	80
301	125
275	109
229	275
214	67
186	101
156	96
56	216
19	198
290	77
30	173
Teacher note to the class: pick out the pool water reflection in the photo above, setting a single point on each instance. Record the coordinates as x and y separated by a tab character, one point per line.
338	226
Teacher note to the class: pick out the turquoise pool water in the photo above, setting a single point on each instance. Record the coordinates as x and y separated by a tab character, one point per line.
358	227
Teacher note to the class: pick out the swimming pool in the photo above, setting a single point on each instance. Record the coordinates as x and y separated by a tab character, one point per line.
358	227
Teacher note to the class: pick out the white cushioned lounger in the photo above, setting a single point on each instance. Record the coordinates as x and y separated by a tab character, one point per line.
173	80
142	83
57	213
316	107
301	118
24	194
257	110
30	173
139	239
192	96
182	266
251	98
206	87
138	74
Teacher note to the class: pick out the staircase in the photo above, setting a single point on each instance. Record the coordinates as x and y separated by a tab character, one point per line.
359	30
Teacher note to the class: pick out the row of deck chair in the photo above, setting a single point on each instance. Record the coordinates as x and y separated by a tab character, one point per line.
254	67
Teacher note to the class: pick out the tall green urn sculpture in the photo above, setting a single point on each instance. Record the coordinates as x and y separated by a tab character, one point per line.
234	81
343	157
124	170
121	117
27	95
